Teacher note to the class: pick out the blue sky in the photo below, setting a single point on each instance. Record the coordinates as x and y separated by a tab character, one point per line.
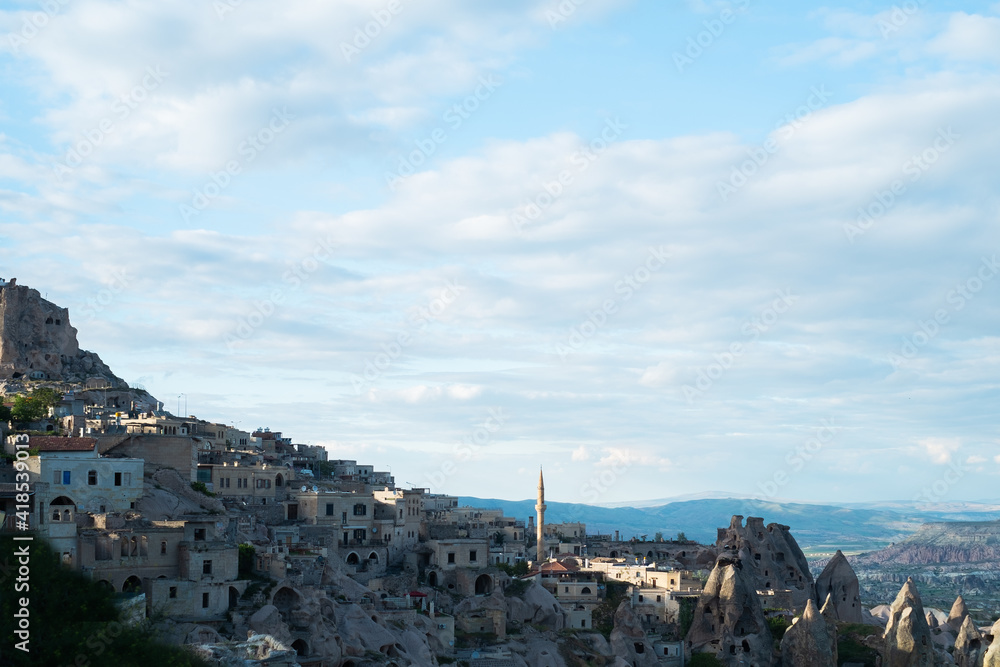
660	248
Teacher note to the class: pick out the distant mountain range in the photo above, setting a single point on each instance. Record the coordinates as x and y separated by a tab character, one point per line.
853	527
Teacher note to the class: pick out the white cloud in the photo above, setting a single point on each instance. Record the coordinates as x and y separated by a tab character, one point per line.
969	37
624	460
940	450
581	453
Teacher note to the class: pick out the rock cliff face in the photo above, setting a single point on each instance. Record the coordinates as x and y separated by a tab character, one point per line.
771	556
729	620
839	582
36	339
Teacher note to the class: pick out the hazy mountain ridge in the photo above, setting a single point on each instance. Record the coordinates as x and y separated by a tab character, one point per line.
859	527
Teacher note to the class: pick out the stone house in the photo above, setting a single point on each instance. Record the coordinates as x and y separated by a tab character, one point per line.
69	477
206	585
257	484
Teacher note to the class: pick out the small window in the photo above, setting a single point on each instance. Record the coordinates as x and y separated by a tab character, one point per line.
451	557
204	600
472	556
199	534
173	589
92	478
329	509
66	477
118	479
163	549
206	567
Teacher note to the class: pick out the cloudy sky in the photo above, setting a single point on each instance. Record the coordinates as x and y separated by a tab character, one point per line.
661	248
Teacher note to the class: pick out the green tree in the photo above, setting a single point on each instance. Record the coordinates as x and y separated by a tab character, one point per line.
681	537
72	619
5	415
685	616
47	396
27	409
658	536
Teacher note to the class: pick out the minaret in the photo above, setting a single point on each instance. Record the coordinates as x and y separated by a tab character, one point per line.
540	509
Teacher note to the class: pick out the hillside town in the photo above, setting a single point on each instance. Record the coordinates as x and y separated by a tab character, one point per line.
251	548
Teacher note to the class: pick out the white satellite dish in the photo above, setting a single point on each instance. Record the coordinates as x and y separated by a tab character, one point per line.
303	488
374	529
315	488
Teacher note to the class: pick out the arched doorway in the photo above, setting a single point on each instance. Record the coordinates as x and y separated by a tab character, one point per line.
285	599
353	559
432	579
484	584
234	597
373	558
279	480
301	647
132	585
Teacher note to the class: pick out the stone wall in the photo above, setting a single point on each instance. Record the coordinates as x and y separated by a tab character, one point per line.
163	451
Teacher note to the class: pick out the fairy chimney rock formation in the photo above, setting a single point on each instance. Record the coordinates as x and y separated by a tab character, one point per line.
959	612
992	657
829	613
808	641
907	638
771	556
37	341
839	581
969	649
729	619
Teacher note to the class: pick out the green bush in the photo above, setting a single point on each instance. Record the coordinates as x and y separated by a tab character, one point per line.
778	625
705	660
201	488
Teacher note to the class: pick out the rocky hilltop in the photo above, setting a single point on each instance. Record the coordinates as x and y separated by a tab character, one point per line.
952	542
37	341
942	558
